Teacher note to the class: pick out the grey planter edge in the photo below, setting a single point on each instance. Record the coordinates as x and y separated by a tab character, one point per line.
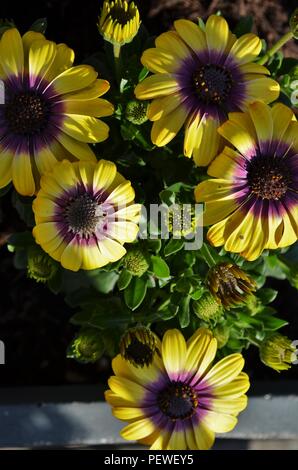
43	420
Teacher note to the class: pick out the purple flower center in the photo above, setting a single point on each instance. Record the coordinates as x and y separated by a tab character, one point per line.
213	83
178	401
83	214
27	113
268	177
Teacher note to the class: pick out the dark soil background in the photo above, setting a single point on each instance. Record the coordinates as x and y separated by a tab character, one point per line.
33	322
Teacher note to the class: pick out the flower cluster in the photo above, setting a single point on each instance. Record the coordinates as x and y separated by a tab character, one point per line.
174	315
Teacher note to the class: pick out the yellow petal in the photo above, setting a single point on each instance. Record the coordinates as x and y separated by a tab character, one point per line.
254	68
92	257
192	34
127	389
156	86
225	370
73	79
123	231
217	211
41	56
173	353
166	128
261	116
214	190
63	60
111	250
71	257
138	430
262	88
11	53
44	158
246	48
97	108
128	413
84	128
227	163
193	134
231	406
201	352
28	38
219	422
159	61
6	158
171	42
104	175
161	107
122	195
97	88
22	174
239	137
131	212
80	150
177	439
199	437
64	174
238	230
282	117
234	389
145	376
210	144
217	33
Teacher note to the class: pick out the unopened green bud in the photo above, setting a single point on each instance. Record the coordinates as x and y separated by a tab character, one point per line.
136	112
138	346
40	266
222	334
207	308
135	262
278	352
88	345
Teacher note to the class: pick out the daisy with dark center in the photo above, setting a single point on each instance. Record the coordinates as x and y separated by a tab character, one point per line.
180	400
252	204
50	110
199	77
84	213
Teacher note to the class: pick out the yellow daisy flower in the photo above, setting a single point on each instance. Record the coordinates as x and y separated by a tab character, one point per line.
252	204
84	213
199	77
50	111
119	21
180	401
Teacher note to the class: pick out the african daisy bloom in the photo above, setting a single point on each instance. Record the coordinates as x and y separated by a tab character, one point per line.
252	203
199	77
84	213
180	401
50	111
119	21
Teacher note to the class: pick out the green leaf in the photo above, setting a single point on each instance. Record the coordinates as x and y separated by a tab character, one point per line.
135	292
272	323
274	267
23	205
103	282
267	295
183	312
39	26
143	74
244	26
173	246
124	279
154	245
159	267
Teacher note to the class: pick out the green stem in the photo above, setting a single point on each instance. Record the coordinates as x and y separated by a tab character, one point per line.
205	252
280	43
117	60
